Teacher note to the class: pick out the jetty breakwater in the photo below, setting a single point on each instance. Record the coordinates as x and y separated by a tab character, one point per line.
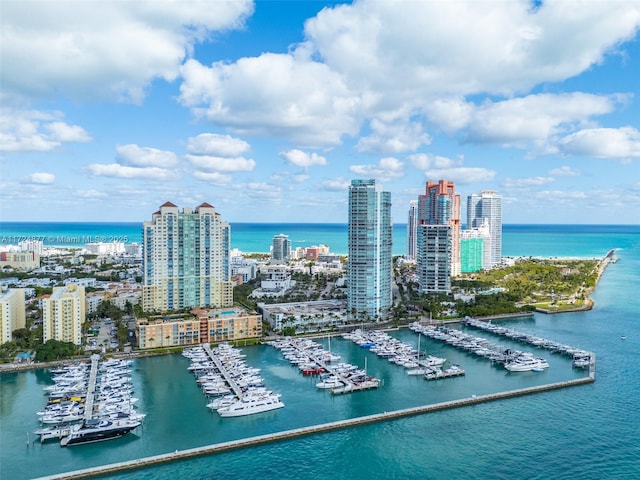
179	455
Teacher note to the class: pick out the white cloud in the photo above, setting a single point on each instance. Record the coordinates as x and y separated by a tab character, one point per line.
213	177
526	182
107	49
92	193
424	161
621	142
122	171
426	48
335	184
461	175
564	171
393	138
36	131
386	168
217	145
221	164
275	95
135	156
561	195
301	178
534	118
303	159
62	132
40	178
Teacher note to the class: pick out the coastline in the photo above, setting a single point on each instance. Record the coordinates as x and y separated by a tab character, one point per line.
589	302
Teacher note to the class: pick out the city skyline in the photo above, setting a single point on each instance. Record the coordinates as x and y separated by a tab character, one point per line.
268	110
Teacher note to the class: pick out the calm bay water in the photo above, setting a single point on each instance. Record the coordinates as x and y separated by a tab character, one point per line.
583	432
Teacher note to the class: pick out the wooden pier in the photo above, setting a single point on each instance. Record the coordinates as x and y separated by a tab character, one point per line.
315	429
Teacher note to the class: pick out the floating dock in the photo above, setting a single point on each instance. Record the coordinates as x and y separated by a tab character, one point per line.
444	374
299	432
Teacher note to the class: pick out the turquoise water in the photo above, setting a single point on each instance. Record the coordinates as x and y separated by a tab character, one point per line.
518	240
587	432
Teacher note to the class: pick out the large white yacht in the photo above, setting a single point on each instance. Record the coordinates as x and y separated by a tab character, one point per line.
527	364
251	404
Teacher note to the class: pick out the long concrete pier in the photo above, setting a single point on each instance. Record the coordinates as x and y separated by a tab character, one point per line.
223	371
299	432
91	389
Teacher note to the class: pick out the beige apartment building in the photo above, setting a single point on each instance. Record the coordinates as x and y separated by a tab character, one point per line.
63	314
205	325
13	313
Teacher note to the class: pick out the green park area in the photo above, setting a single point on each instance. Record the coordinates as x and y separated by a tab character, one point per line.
551	285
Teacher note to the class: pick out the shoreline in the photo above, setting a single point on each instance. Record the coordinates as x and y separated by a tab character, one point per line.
602	265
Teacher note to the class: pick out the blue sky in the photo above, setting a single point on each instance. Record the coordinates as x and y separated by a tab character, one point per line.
268	109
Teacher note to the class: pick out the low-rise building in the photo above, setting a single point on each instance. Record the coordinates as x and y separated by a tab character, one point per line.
305	316
203	325
276	281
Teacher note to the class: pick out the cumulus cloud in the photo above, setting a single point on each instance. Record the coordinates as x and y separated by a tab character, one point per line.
462	175
424	161
40	178
135	156
398	68
386	168
564	171
303	159
221	164
84	49
338	184
217	145
534	118
215	178
273	94
36	131
621	142
393	138
526	182
117	170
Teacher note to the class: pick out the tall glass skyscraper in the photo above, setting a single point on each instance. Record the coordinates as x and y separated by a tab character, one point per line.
486	208
281	249
412	230
438	207
369	270
185	261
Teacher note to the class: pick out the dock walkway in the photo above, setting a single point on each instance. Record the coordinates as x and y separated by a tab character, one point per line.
91	387
223	371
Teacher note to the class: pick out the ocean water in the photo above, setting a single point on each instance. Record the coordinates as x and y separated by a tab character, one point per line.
518	240
586	432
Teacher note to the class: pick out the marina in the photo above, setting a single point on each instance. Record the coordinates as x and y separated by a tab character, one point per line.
581	358
312	359
85	407
222	373
301	432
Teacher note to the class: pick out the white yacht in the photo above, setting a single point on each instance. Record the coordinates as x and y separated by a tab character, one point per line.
252	404
527	364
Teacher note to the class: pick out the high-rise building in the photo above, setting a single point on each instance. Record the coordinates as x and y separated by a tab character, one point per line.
412	230
486	208
12	313
475	249
369	269
63	314
439	206
434	257
281	249
185	261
